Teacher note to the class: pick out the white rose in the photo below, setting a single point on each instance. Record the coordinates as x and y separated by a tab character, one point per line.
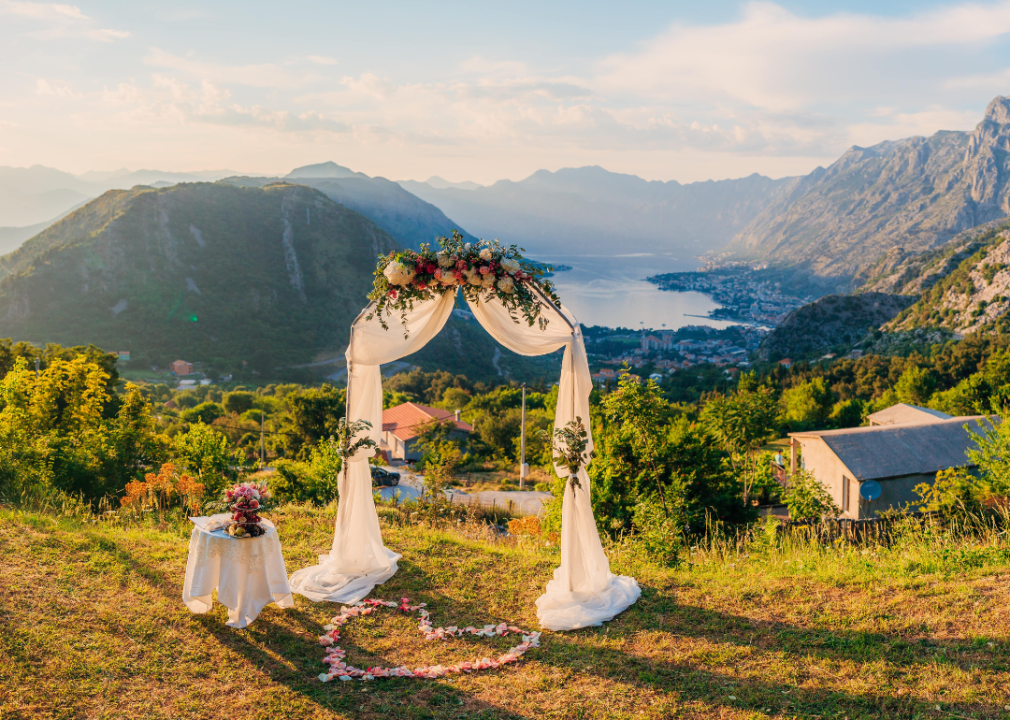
485	254
398	274
444	277
488	280
445	260
473	277
505	285
510	266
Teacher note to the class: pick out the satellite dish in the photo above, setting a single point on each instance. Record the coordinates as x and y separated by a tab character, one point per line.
869	490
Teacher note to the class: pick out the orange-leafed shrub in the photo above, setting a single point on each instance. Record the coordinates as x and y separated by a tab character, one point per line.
529	525
163	489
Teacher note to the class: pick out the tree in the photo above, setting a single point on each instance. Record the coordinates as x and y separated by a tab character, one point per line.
742	422
807	405
639	413
205	453
915	386
313	415
238	402
205	413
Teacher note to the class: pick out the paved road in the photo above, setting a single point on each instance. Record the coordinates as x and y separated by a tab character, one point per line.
524	502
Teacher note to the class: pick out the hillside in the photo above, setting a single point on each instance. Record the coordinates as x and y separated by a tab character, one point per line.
590	210
790	630
967	291
830	324
226	275
239	279
914	195
409	219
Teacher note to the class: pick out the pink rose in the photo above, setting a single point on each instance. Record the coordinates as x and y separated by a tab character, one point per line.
484	269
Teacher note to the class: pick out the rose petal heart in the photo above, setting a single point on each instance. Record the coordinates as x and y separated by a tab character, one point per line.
339	669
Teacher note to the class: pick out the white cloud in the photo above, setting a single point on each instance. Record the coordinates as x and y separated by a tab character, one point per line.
108	35
42	11
322	60
260	75
44	87
773	59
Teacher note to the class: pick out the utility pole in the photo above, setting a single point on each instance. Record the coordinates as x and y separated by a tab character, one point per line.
263	447
524	469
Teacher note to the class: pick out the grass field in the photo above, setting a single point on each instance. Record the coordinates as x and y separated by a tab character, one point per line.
92	626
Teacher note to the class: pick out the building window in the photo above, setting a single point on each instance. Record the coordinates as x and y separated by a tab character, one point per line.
846	492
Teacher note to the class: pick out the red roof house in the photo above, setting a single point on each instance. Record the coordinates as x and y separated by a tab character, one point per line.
402	424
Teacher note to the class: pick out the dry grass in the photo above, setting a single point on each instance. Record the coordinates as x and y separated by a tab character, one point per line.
92	626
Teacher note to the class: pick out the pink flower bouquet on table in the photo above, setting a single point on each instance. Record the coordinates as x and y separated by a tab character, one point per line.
245	502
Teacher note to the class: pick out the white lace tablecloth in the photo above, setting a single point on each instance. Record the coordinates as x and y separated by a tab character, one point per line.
248	573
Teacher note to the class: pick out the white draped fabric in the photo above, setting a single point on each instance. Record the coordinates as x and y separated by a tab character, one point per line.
583	592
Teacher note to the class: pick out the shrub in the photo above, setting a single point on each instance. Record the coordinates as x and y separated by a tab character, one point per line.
807	498
161	490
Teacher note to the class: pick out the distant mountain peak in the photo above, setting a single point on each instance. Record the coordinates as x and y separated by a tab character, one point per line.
324	170
998	111
442	184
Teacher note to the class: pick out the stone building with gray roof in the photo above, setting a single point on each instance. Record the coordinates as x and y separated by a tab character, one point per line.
899	456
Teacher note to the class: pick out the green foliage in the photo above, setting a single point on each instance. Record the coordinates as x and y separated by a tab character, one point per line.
848	413
206	453
807	498
915	386
205	413
657	534
314	414
742	423
62	430
807	406
314	481
238	402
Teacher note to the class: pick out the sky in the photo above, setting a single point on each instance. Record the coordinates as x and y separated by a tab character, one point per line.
482	91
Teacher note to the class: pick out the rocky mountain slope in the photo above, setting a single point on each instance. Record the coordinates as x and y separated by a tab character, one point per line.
590	210
967	291
908	195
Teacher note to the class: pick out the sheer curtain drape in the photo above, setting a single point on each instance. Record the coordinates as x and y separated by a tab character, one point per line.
358	561
583	591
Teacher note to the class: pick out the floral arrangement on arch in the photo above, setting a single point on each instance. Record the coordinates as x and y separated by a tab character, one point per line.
483	271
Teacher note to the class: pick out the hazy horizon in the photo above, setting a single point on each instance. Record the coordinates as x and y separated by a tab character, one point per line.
661	91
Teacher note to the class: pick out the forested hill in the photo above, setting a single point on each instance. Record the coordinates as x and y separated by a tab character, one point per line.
228	275
909	195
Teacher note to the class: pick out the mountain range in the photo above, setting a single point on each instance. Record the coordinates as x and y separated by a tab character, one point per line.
39	195
902	198
240	278
591	210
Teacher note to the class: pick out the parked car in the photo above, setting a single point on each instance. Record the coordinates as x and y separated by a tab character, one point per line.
384	478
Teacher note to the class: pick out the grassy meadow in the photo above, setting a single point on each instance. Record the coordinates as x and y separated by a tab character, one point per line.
92	626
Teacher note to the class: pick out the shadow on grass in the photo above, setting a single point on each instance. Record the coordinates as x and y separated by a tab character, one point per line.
283	645
698	682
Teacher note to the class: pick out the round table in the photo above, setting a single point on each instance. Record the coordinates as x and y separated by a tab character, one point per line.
248	573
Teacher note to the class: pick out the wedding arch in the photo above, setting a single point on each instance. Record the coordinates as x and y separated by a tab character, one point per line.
507	296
